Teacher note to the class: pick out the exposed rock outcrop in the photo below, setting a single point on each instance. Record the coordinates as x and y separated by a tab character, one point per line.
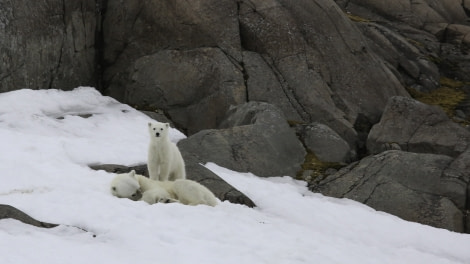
413	126
47	44
8	211
325	143
276	51
415	13
409	185
436	29
194	87
254	137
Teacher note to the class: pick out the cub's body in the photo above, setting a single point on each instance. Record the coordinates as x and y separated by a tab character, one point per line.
127	185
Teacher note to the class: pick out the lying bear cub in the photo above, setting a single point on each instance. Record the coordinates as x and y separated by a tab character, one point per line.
137	187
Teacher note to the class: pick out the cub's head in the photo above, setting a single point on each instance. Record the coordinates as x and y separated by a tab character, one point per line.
158	130
125	185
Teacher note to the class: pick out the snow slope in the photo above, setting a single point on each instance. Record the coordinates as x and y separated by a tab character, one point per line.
45	147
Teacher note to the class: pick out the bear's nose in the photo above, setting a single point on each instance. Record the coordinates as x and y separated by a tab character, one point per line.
157	134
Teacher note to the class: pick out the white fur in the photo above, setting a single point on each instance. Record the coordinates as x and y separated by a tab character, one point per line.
157	195
181	190
164	158
124	185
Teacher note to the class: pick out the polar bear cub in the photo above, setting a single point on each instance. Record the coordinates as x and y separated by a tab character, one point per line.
181	190
131	185
125	186
158	195
164	158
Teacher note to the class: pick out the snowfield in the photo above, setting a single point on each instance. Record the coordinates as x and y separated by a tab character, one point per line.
47	139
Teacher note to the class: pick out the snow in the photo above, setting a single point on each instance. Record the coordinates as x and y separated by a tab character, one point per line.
48	138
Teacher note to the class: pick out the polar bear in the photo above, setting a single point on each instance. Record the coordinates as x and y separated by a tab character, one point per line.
125	186
158	195
164	160
131	185
181	190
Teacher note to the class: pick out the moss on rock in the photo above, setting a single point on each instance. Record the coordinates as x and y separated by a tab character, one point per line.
355	18
448	96
315	167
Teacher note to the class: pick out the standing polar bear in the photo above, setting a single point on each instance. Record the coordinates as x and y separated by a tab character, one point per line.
137	187
164	162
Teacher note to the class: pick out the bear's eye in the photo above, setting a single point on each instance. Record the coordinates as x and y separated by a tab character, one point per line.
113	188
161	129
154	129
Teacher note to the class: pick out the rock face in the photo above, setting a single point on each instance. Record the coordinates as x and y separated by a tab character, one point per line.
180	56
392	182
416	13
416	36
187	84
201	56
255	137
403	57
47	44
296	42
325	143
417	127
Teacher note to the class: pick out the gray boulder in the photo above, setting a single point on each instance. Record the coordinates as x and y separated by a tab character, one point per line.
392	182
255	137
325	143
417	127
254	113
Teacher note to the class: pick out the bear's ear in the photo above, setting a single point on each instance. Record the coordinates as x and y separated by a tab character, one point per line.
150	124
132	173
167	124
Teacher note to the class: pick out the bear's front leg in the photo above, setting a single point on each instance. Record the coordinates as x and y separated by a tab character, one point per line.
154	171
164	172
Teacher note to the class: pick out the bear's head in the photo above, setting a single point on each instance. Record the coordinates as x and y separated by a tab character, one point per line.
158	130
125	185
